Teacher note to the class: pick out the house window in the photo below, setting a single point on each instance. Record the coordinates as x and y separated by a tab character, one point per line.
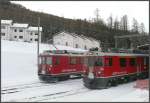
36	39
66	43
31	33
3	27
15	36
3	34
20	30
36	33
72	60
20	37
76	45
122	62
15	30
31	39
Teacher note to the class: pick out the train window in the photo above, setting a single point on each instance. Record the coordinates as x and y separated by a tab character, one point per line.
80	60
98	62
132	62
49	60
72	60
42	60
85	60
147	61
108	62
57	61
122	62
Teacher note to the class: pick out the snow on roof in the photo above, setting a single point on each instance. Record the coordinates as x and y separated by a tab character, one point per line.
6	21
116	54
31	28
20	25
76	35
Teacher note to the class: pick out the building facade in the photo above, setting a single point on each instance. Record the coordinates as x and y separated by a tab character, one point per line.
75	41
19	31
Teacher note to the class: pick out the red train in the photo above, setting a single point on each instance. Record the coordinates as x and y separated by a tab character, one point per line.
109	69
60	65
99	70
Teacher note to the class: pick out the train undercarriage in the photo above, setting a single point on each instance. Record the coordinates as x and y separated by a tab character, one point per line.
103	83
56	78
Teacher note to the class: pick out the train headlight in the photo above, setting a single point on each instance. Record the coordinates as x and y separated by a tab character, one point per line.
101	69
43	72
99	72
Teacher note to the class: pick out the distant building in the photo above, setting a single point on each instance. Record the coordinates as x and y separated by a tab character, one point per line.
75	41
5	29
19	31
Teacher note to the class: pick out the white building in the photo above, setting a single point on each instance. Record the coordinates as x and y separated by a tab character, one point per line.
5	29
19	31
75	41
33	34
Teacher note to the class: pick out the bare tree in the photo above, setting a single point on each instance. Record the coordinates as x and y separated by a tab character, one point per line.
142	28
98	19
135	26
116	24
110	22
124	23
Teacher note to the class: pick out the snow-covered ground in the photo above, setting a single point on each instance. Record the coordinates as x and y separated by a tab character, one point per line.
19	80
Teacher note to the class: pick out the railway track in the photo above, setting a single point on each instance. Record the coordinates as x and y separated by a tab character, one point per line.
19	88
49	96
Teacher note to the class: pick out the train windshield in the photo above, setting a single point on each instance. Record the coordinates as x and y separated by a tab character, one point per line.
95	61
49	60
42	60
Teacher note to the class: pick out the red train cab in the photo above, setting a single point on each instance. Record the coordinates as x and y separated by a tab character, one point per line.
110	69
59	66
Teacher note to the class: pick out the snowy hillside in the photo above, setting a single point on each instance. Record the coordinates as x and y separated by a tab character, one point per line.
20	82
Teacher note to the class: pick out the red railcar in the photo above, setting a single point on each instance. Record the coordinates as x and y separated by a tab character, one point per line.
109	69
59	66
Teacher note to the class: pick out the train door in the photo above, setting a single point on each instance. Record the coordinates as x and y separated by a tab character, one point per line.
72	63
123	65
56	65
108	65
98	66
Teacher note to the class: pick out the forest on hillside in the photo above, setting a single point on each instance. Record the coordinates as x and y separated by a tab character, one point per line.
96	28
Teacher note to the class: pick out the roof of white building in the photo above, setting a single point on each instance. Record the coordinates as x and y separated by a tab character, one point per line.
76	35
6	21
20	25
31	28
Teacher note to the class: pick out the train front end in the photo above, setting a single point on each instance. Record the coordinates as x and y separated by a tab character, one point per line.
93	77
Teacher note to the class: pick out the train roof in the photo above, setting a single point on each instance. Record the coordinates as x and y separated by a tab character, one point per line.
114	54
94	54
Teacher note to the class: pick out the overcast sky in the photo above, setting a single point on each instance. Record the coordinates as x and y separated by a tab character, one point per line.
85	9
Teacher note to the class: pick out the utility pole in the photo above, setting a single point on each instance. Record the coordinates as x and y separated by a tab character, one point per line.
38	40
0	38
